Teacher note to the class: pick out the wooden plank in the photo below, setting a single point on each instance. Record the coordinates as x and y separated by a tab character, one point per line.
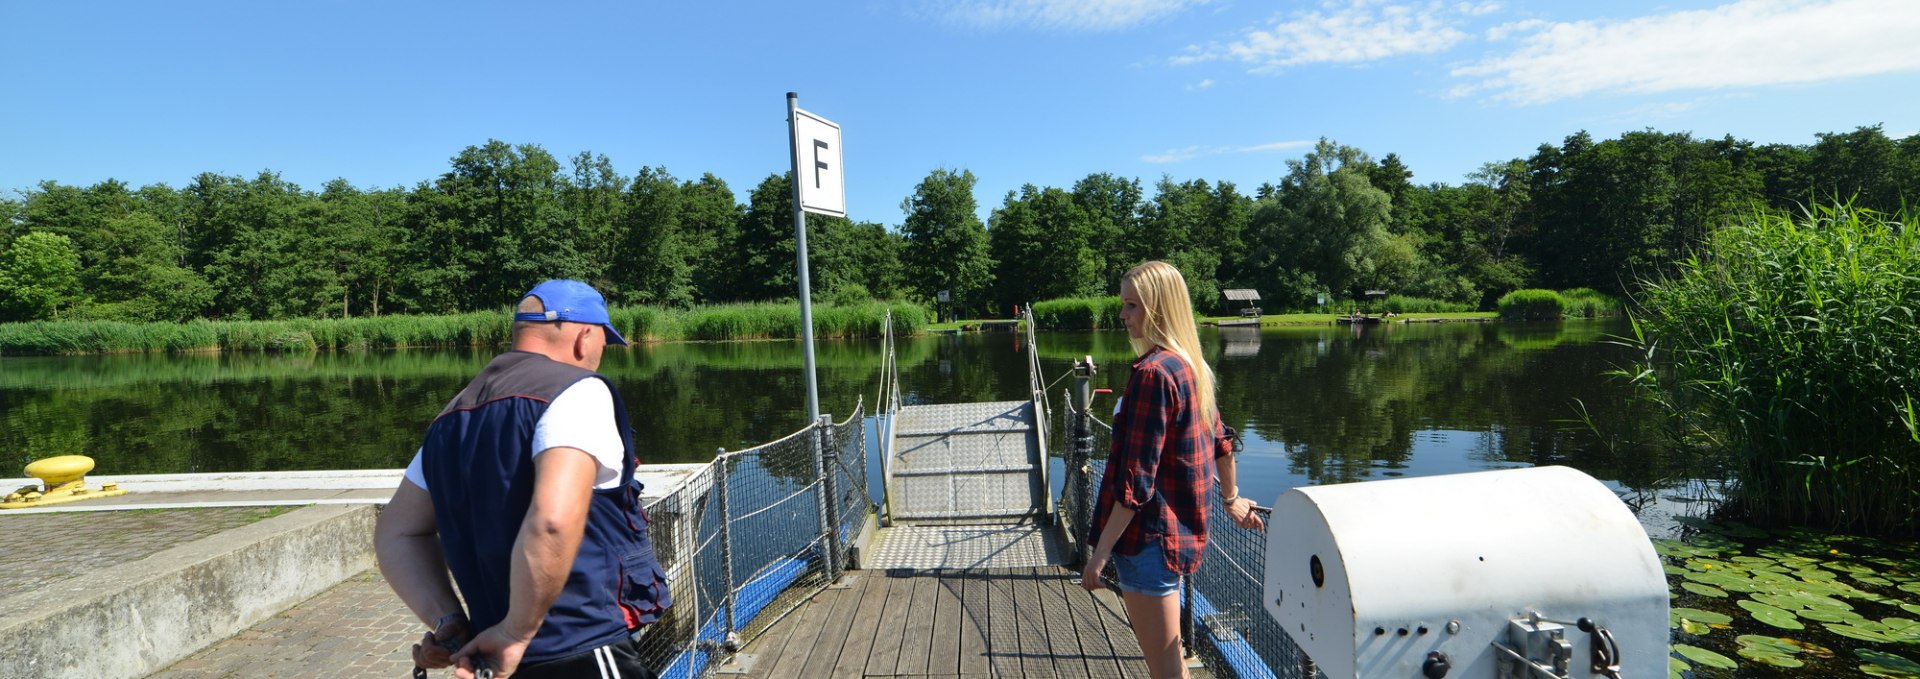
864	627
1003	626
973	625
1056	644
1112	612
944	655
803	627
834	628
1036	655
1086	612
917	635
887	635
1069	649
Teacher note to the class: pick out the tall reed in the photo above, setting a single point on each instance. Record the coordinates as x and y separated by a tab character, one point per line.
480	328
1078	313
1791	348
1531	304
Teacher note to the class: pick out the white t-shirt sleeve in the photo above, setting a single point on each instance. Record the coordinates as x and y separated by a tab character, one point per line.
416	473
582	417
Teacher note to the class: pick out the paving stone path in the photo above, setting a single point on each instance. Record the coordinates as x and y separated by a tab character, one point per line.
46	548
356	629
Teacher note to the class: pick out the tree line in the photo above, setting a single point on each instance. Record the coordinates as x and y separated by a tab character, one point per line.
1581	213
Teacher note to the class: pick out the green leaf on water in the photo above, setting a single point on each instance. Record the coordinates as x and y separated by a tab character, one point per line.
1704	590
1759	641
1911	608
1832	615
1766	656
1855	632
1781	601
1697	615
1673	570
1772	615
1705	657
1886	664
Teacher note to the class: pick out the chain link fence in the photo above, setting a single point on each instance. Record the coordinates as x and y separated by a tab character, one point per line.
1222	617
747	540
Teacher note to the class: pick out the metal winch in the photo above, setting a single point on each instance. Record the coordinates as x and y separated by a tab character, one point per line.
1538	573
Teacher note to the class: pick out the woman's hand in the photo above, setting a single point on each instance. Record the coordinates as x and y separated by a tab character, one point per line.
1241	511
1090	575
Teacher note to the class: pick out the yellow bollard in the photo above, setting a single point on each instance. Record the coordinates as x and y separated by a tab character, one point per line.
64	479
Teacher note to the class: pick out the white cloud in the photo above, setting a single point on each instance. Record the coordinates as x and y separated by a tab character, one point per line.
1344	31
1201	86
1093	15
1192	152
1747	43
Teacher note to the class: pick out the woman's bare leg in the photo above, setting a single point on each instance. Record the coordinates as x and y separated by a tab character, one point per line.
1156	625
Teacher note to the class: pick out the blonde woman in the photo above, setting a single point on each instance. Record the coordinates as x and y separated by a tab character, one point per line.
1151	517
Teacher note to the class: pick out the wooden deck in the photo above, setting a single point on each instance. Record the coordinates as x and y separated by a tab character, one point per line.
951	624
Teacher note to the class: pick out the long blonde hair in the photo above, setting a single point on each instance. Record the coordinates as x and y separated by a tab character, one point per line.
1168	323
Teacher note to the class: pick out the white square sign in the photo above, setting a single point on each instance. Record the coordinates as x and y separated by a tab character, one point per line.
816	152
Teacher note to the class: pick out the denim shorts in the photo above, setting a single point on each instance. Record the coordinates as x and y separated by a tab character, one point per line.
1146	573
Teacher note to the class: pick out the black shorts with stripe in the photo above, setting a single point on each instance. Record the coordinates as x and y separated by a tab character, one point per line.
618	660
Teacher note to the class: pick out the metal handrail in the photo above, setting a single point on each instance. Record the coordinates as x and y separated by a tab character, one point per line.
1042	410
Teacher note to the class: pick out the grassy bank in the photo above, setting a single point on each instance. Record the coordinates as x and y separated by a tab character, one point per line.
482	329
1790	351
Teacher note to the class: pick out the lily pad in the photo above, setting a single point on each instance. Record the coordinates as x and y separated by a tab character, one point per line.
1694	628
1697	615
1704	590
1770	657
1772	615
1832	615
1816	575
1892	665
1705	657
1810	648
1759	641
1856	632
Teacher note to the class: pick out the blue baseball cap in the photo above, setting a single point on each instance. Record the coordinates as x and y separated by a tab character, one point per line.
574	302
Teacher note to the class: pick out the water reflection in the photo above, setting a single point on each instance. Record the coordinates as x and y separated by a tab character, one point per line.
1321	404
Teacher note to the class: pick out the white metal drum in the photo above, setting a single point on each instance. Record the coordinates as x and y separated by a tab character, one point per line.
1447	575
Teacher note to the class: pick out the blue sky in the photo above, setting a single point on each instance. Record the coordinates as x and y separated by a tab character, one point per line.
1018	91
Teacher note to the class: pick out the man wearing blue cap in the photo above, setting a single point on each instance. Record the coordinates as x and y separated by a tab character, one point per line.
524	489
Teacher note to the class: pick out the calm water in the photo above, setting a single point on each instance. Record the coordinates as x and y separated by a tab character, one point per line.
1320	404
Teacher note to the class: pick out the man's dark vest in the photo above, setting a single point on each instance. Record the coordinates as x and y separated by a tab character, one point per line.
479	469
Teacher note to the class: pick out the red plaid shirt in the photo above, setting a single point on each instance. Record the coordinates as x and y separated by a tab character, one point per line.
1161	465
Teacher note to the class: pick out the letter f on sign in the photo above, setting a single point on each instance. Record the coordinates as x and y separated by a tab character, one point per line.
818	146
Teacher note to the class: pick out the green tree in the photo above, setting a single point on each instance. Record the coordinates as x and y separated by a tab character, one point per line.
1113	206
1324	228
1045	247
946	243
653	264
710	223
39	277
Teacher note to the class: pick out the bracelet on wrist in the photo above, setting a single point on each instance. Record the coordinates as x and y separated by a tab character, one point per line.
450	617
1228	500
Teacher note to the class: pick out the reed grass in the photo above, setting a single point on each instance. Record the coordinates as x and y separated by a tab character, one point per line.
1531	304
1789	350
1588	303
1078	313
476	329
1402	304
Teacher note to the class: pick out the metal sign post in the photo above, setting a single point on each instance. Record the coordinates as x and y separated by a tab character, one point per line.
821	188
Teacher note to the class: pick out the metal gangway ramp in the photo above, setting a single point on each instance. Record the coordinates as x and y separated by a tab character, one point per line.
967	484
